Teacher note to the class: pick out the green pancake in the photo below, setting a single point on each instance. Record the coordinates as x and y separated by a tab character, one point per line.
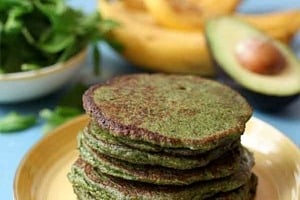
245	192
136	156
83	194
103	134
223	167
104	187
173	111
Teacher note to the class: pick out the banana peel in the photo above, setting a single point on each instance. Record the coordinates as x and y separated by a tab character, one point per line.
184	15
155	47
158	48
135	4
168	17
279	25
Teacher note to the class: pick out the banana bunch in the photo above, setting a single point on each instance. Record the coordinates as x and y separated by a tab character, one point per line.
167	35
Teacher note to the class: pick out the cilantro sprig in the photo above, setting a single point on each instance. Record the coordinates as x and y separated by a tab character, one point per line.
39	33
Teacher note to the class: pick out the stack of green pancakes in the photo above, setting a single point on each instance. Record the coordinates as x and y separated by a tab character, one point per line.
162	137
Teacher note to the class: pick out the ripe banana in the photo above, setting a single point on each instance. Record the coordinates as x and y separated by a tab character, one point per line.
279	25
174	14
158	48
155	47
135	4
189	14
275	20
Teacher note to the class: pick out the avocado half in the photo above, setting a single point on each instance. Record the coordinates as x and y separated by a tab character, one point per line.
239	49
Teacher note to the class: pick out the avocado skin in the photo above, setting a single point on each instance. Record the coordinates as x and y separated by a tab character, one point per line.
259	101
263	102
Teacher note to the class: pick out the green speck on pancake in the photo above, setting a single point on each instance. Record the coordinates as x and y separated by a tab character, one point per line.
175	111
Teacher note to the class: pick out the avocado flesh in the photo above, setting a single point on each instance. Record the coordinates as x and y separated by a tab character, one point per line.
103	186
223	167
135	156
225	33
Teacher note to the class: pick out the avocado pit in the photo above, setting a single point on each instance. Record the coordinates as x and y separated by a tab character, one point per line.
260	56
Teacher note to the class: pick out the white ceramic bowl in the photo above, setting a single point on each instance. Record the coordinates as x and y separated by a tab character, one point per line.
21	86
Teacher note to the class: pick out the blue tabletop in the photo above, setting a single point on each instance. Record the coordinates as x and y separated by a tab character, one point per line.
14	146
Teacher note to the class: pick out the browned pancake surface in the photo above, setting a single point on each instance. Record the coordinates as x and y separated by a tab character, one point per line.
169	110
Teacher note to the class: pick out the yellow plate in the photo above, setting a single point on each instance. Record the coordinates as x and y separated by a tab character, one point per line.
42	173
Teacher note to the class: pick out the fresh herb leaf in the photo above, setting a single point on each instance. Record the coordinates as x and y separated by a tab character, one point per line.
58	116
29	67
27	35
13	22
56	42
96	59
14	121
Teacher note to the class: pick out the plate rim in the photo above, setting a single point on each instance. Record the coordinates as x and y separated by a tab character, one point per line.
38	143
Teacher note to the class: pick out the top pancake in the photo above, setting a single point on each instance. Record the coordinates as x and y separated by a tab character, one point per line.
175	111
